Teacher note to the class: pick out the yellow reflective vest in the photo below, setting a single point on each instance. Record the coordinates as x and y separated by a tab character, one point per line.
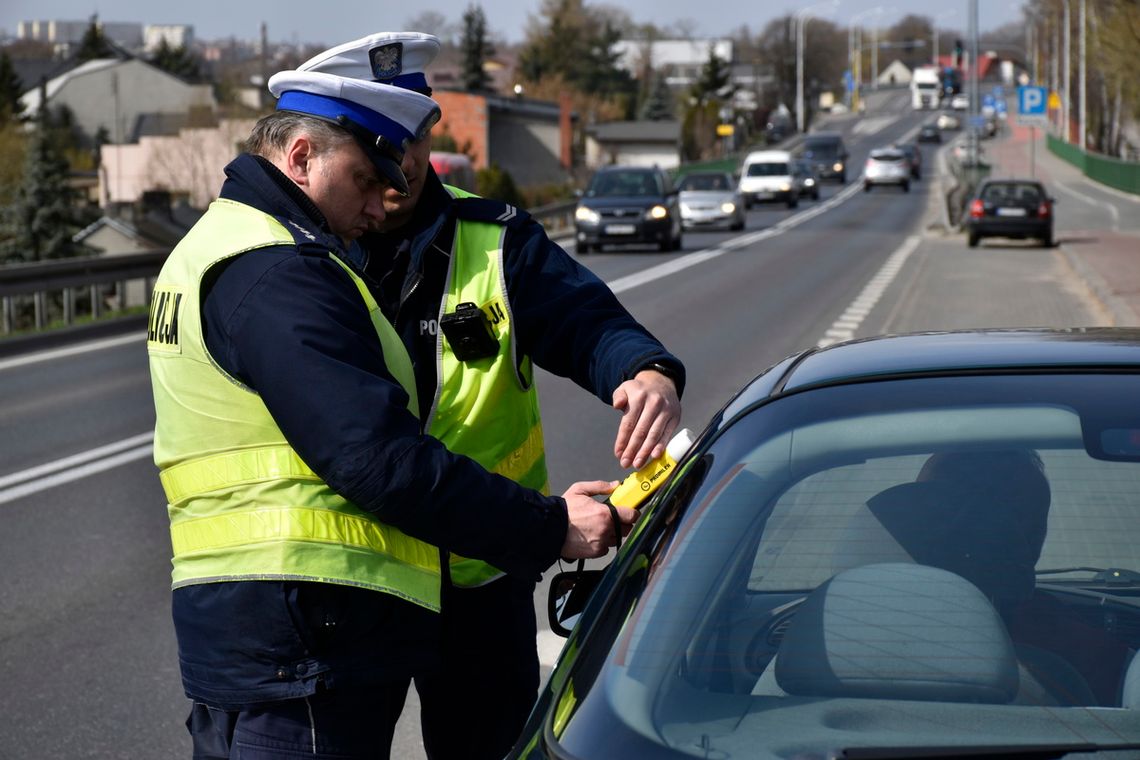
486	409
242	504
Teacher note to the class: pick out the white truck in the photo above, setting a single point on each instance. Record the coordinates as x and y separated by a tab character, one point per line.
925	88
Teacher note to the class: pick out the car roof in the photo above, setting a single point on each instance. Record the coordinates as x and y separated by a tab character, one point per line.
964	352
821	136
706	173
626	168
768	155
1011	181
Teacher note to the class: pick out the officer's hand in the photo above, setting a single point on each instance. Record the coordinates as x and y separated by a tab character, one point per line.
650	413
591	530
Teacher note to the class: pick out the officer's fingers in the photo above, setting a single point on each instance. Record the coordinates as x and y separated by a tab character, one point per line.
653	445
590	488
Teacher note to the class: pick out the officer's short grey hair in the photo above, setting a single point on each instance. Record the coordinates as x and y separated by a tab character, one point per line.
274	133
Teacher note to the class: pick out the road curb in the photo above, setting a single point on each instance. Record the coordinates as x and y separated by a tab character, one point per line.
1121	312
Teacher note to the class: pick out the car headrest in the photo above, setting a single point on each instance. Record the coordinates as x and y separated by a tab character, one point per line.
898	631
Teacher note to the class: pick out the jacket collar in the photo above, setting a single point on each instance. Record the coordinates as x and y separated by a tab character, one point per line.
256	182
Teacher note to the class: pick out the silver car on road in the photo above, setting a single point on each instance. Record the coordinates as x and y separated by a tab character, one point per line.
710	199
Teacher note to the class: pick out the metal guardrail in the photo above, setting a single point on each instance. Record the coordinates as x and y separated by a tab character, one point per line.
36	294
55	288
1114	172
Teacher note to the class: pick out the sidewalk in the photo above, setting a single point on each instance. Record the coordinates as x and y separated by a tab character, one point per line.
1107	257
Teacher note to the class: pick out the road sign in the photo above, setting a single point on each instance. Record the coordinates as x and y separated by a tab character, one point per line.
1054	101
724	130
1031	106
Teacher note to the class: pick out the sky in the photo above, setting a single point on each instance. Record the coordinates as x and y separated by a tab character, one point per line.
331	22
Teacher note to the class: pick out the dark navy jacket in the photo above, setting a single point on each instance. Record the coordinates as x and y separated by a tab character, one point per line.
288	322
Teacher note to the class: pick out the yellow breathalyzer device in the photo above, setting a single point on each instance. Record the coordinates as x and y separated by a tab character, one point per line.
637	487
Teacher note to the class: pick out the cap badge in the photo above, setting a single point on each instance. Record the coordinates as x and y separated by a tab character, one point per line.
387	60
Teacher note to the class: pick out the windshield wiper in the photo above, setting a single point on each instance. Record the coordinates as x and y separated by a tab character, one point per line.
1109	576
1005	751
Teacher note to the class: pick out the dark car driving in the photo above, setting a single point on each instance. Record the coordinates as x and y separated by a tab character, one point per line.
1010	208
628	204
908	546
828	154
929	133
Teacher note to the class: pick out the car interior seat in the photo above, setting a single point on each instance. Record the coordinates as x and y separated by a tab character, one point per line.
1130	689
895	631
982	515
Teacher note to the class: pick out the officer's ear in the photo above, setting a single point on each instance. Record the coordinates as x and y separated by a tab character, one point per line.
298	160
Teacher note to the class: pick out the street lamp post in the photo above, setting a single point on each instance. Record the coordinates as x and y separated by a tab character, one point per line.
855	48
1066	103
801	19
1084	81
939	17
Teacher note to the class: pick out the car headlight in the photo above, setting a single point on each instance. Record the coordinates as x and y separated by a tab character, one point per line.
657	212
809	182
588	215
838	166
728	207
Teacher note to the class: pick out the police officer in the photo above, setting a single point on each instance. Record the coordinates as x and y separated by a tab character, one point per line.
306	499
439	248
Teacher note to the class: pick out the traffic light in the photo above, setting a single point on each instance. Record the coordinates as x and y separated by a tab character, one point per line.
958	53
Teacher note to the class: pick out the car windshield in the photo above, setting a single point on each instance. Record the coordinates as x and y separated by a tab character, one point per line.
766	169
1011	192
887	155
914	563
820	149
704	182
623	183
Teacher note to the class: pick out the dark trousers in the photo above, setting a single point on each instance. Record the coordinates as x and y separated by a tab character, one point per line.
474	707
477	705
328	725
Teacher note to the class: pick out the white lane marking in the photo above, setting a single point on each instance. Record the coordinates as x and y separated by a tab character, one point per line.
1112	210
646	276
76	459
549	647
75	467
80	348
848	323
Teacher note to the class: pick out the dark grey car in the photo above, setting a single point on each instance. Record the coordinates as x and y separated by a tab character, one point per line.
900	547
1011	208
628	204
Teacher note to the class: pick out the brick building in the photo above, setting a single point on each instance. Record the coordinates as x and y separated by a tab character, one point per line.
530	139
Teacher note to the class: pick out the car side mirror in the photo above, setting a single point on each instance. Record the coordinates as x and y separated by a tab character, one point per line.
567	597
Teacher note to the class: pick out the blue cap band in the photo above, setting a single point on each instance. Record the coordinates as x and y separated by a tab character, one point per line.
416	81
331	108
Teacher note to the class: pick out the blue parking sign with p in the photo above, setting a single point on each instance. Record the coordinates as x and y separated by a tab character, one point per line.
1031	101
1032	105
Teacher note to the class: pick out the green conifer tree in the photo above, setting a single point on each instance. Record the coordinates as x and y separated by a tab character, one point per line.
42	218
11	109
477	48
659	105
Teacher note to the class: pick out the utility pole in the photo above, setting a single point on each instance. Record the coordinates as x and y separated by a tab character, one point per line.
973	112
875	57
1066	103
1084	81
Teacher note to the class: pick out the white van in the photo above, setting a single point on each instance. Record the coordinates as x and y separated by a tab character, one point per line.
766	175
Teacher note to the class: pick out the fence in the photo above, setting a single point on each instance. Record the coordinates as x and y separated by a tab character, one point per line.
41	294
1114	172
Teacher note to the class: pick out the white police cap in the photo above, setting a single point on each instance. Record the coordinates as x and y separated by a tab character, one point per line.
395	58
382	118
